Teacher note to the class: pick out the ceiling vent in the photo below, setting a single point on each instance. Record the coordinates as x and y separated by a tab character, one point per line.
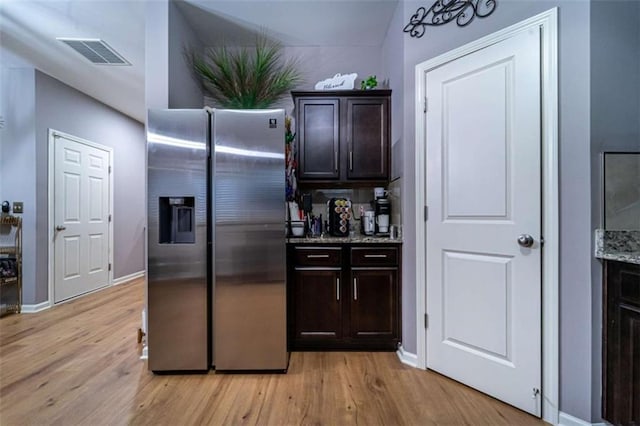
95	50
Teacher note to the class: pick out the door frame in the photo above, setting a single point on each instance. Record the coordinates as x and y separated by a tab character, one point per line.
548	24
53	135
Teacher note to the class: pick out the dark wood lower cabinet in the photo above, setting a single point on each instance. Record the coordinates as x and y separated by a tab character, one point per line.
374	304
318	313
621	344
343	297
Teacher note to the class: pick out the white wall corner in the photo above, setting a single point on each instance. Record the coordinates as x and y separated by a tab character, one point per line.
407	357
145	353
32	309
568	420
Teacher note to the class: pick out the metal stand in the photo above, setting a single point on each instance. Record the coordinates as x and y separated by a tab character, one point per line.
10	264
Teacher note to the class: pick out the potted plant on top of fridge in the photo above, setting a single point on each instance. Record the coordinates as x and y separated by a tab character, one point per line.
245	78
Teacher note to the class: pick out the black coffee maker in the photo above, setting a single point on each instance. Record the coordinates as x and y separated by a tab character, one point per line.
383	215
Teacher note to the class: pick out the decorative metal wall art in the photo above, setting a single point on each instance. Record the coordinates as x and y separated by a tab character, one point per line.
444	11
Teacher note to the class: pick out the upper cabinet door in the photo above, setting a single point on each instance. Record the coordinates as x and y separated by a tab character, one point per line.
319	138
367	138
343	137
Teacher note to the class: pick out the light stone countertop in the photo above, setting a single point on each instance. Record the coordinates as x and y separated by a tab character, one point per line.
344	240
622	246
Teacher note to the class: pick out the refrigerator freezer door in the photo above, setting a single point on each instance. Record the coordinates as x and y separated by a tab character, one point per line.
250	292
177	291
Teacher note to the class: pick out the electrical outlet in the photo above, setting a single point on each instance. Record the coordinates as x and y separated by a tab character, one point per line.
17	206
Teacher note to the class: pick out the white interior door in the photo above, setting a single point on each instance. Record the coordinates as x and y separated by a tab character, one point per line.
81	218
483	192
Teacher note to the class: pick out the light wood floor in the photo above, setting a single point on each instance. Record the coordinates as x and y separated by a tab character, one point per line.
78	364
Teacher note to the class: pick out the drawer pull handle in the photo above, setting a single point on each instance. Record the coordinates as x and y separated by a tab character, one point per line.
376	255
317	256
355	289
338	289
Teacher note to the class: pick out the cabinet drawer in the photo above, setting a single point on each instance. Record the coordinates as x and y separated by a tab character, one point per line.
318	256
374	256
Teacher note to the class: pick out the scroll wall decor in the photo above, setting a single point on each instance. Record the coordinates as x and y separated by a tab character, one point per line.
445	11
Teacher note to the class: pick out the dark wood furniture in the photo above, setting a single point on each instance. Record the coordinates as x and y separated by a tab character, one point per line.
344	296
621	344
343	137
10	265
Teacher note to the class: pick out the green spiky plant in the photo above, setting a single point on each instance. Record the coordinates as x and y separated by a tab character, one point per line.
246	78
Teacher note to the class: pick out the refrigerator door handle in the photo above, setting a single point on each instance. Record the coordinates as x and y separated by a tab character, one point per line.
338	289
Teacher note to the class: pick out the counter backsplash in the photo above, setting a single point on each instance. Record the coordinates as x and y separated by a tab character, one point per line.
359	197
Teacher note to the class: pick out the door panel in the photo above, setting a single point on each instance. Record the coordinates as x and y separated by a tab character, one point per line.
374	298
476	176
318	305
483	192
367	138
477	286
319	137
81	218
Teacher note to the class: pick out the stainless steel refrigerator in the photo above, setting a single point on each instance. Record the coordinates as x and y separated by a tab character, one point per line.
216	290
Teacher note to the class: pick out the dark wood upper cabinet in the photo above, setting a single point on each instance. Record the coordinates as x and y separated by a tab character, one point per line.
319	138
621	344
343	137
367	138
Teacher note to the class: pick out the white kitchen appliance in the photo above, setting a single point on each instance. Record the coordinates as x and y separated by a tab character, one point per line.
368	221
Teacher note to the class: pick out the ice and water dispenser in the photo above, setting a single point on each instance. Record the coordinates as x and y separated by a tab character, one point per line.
177	220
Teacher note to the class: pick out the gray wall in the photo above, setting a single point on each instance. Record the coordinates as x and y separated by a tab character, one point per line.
394	72
184	91
320	62
577	390
156	76
65	109
18	162
615	124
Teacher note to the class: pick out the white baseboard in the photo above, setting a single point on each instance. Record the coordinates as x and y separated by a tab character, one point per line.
38	307
565	419
128	278
407	357
145	353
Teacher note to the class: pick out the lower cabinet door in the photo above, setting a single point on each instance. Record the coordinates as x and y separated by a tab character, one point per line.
621	340
318	305
374	305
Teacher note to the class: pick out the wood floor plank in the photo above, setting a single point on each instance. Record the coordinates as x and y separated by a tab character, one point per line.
78	364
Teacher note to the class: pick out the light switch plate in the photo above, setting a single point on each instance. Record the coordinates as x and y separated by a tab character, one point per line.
17	206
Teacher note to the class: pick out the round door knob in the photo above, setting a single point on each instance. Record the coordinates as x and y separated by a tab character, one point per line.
525	240
60	228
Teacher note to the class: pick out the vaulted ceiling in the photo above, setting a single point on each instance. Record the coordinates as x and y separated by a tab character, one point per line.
28	31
